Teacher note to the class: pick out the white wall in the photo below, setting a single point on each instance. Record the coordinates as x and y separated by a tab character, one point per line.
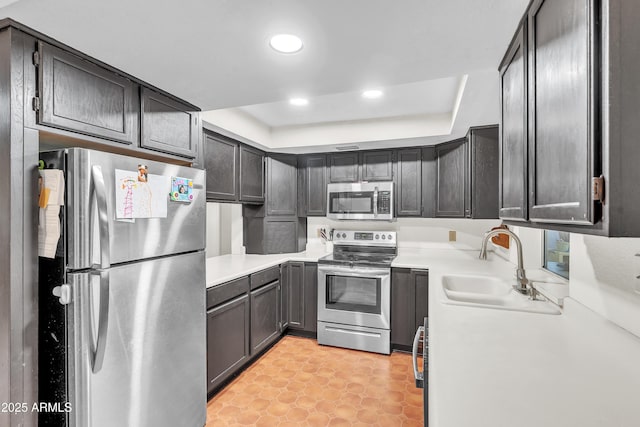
224	229
412	232
213	230
603	275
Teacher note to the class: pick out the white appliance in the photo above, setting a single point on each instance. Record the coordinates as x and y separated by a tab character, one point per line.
361	201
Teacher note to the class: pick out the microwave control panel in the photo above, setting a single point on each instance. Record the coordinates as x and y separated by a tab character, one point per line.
384	202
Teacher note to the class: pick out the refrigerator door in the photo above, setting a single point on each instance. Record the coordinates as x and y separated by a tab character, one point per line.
91	179
152	371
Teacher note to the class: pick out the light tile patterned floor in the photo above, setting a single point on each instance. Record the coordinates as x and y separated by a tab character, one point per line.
300	383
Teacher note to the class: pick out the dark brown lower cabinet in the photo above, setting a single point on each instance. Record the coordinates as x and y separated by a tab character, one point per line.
284	296
247	315
227	339
303	297
409	305
265	316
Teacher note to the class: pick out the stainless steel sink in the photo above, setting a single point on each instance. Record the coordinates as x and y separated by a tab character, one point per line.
491	292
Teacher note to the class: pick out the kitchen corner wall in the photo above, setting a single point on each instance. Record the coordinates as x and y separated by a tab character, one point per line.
224	229
602	273
412	232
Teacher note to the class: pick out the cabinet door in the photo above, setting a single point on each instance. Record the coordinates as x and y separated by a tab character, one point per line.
265	318
310	296
168	125
513	131
79	96
450	179
409	182
281	185
343	167
377	165
429	180
221	160
563	151
227	339
315	184
251	175
280	235
285	286
402	308
483	173
296	295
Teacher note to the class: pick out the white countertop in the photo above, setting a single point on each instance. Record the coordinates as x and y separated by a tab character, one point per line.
504	368
224	268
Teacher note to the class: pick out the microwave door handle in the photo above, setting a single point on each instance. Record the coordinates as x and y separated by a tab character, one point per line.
375	202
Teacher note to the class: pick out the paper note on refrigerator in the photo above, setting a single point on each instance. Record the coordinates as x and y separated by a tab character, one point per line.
50	200
141	199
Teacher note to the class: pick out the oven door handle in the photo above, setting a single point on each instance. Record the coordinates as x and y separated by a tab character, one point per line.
355	272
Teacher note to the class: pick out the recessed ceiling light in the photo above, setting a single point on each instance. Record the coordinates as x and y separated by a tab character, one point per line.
372	94
286	43
299	102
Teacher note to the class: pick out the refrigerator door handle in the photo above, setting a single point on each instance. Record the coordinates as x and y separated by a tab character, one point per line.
419	376
99	190
103	322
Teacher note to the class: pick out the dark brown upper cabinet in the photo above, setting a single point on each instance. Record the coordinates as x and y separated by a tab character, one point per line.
312	185
563	117
251	175
221	160
281	185
377	165
482	173
429	178
344	167
168	125
450	179
409	182
513	132
235	172
80	96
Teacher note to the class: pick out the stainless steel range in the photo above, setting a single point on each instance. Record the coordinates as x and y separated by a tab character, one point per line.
354	291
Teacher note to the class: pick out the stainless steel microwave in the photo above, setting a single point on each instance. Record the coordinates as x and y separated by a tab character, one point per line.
360	200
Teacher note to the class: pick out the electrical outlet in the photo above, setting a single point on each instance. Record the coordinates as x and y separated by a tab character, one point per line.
452	235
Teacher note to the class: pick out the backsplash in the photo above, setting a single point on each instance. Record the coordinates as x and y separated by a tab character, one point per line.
603	275
412	232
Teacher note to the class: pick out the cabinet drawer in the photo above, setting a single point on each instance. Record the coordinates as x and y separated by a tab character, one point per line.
265	276
226	291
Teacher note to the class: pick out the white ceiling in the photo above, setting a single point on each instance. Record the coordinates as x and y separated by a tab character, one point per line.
215	53
427	97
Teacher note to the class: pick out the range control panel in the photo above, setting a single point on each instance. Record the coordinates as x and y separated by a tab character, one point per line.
384	202
369	238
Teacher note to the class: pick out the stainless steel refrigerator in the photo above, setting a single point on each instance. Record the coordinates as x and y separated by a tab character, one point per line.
122	341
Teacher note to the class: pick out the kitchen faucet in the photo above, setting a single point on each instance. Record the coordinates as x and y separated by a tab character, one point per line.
523	283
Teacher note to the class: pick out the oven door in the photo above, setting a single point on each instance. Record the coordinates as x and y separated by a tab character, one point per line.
357	296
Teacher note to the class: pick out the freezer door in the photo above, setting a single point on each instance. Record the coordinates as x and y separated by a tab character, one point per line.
142	362
91	179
